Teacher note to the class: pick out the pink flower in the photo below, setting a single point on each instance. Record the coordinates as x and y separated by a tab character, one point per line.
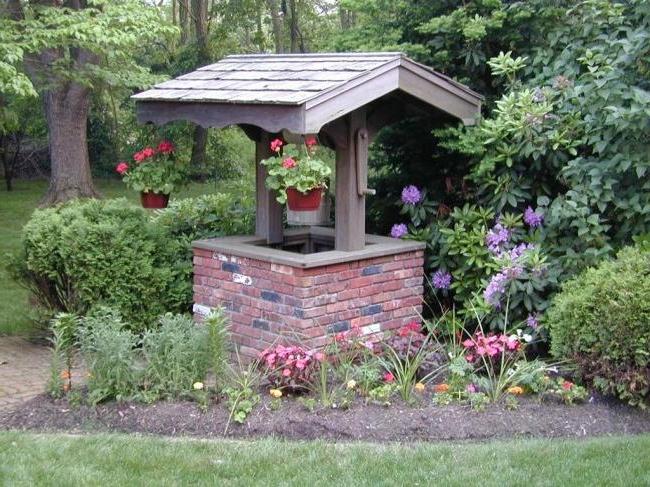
288	163
276	145
469	357
165	147
286	372
121	168
469	343
310	141
389	377
320	356
471	388
567	385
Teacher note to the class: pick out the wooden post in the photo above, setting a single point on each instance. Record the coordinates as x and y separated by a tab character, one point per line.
268	216
350	214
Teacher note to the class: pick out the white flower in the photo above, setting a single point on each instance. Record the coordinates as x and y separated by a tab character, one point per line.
197	386
527	338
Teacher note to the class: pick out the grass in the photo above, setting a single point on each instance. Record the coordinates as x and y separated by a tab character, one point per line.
37	459
15	209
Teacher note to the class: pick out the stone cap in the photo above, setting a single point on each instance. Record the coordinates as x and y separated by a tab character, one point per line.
254	247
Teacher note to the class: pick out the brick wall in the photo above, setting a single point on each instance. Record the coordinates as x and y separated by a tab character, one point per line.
268	302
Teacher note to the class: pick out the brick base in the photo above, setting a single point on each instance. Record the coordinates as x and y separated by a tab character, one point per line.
269	303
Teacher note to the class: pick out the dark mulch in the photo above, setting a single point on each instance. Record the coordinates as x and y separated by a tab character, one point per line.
399	422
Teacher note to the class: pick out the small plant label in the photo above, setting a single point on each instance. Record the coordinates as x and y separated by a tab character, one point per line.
241	279
201	309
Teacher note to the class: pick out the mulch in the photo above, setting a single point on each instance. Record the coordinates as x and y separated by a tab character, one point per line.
364	422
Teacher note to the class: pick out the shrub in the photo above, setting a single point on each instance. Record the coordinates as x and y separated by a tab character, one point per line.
176	356
109	350
111	252
601	320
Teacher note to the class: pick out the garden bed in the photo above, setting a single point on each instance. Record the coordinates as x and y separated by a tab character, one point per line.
399	422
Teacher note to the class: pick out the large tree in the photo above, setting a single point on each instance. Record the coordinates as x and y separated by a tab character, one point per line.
71	47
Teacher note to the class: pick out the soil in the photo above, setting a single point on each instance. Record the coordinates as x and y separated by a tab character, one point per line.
367	422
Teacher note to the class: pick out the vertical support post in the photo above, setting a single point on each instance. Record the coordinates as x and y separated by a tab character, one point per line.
350	214
268	215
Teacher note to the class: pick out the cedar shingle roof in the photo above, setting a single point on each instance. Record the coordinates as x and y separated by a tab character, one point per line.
328	85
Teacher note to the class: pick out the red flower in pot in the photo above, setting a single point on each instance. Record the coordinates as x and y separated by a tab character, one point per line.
155	174
297	174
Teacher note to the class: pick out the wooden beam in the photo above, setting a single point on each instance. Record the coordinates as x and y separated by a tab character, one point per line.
350	214
268	216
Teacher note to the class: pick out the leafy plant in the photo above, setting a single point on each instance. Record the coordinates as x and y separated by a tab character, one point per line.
64	329
177	354
405	356
240	390
217	325
601	321
110	354
290	367
295	166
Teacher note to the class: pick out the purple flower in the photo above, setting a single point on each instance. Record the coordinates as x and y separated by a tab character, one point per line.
533	320
538	96
398	230
496	288
518	251
496	238
411	195
441	279
533	219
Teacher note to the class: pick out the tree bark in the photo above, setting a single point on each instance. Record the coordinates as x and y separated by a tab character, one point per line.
6	165
276	24
293	26
200	20
66	112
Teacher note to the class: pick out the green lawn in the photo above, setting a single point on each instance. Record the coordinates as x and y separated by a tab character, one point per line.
15	209
31	459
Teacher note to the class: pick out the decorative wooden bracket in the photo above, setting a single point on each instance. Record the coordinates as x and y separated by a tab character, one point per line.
361	159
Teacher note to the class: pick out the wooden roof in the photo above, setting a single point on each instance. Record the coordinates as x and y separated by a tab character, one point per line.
299	92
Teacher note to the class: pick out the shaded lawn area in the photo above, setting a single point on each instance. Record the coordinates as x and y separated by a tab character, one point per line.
15	209
35	459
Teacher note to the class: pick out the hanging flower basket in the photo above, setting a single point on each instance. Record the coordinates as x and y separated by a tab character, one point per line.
155	173
297	175
309	201
152	200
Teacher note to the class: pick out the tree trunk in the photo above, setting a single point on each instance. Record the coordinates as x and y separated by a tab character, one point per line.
293	26
200	20
66	112
276	23
184	19
6	165
199	145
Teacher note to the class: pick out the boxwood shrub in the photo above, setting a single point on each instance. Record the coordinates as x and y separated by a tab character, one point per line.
601	321
90	252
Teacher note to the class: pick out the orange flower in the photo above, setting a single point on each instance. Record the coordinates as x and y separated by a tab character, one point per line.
439	388
516	390
66	387
65	374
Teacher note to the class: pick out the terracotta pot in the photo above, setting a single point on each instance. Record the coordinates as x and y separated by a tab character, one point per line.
153	200
309	201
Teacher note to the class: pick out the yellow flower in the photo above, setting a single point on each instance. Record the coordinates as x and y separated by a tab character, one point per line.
516	390
351	384
276	393
419	387
198	386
